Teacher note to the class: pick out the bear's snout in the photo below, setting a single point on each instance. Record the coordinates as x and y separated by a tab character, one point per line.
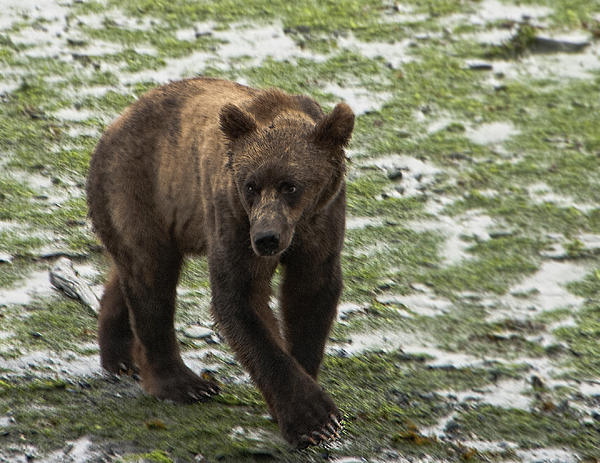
266	243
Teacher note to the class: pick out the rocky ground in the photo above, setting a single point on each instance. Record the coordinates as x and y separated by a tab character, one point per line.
471	314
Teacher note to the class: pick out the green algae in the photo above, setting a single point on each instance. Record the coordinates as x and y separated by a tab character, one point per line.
521	42
118	408
58	325
582	342
553	428
324	16
498	263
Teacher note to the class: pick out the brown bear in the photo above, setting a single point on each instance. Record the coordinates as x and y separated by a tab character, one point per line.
252	179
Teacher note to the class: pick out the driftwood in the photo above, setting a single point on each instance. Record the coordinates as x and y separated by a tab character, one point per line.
64	277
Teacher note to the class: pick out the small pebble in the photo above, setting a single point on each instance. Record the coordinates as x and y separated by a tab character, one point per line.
197	332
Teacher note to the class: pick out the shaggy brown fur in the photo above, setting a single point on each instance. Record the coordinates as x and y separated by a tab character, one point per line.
252	179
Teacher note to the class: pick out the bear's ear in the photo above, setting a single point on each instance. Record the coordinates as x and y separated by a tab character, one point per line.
335	129
235	122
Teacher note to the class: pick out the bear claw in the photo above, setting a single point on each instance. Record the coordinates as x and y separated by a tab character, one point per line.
332	429
305	441
329	432
320	436
334	418
200	396
124	369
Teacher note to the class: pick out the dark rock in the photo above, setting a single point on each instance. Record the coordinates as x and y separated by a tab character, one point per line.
395	174
548	45
479	66
452	428
76	42
537	383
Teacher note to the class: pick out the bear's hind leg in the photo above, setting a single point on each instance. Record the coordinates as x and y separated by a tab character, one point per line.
114	331
149	281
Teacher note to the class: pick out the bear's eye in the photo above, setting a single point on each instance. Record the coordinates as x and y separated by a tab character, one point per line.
288	188
251	188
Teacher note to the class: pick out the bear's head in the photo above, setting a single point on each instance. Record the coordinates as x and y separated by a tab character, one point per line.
287	160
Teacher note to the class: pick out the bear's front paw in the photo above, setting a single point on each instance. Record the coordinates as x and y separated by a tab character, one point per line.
309	416
179	385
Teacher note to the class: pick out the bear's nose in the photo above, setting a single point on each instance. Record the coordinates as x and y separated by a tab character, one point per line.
267	243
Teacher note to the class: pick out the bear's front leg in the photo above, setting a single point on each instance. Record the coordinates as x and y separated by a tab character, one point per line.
309	304
305	412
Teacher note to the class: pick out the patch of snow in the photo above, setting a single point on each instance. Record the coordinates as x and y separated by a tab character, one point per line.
7	87
505	394
15	10
439	124
491	37
494	10
438	430
543	291
23	291
492	133
590	241
347	308
5	421
100	48
37	182
409	163
542	193
79	451
176	68
199	29
488	446
551	455
349	460
74	115
360	99
119	19
10	226
83	131
371	250
391	340
258	44
472	224
427	305
98	90
417	175
355	223
52	364
555	66
394	53
590	388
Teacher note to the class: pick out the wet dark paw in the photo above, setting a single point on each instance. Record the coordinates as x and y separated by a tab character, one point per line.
312	419
182	387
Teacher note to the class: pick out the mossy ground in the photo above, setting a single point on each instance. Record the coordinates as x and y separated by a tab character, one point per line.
471	255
